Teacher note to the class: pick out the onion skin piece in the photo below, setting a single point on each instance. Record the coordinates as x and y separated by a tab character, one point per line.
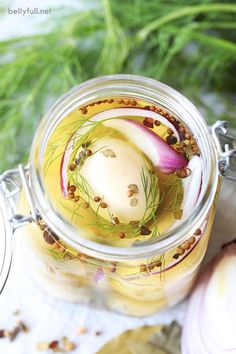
211	315
162	155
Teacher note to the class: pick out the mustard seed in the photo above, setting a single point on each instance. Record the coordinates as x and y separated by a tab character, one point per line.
88	153
72	167
71	195
191	240
72	188
129	193
85	205
158	263
115	220
187	136
186	245
110	100
133	103
121	234
148	122
183	172
178	214
119	100
103	205
152	108
69	346
76	198
97	199
198	232
142	268
170	131
157	123
180	250
133	201
83	110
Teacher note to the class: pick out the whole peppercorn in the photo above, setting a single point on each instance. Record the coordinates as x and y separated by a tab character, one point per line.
171	139
145	231
148	122
176	256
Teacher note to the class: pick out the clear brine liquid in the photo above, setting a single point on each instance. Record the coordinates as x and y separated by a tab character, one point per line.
117	170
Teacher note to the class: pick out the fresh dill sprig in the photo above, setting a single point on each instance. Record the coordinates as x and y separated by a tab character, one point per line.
151	190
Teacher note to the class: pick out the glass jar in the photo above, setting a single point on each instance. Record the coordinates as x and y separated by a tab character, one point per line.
137	280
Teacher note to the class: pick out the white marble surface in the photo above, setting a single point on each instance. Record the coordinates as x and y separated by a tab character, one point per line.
50	319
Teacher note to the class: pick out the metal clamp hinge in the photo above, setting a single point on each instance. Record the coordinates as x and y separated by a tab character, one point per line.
11	183
226	145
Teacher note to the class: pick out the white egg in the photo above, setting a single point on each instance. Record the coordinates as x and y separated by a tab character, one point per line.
109	178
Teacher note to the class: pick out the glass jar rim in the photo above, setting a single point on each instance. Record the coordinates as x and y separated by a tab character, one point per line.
114	85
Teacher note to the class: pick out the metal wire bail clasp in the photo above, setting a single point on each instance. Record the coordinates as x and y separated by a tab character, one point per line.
226	145
11	182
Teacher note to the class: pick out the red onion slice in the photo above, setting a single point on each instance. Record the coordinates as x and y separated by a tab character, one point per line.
159	152
211	316
192	185
134	112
